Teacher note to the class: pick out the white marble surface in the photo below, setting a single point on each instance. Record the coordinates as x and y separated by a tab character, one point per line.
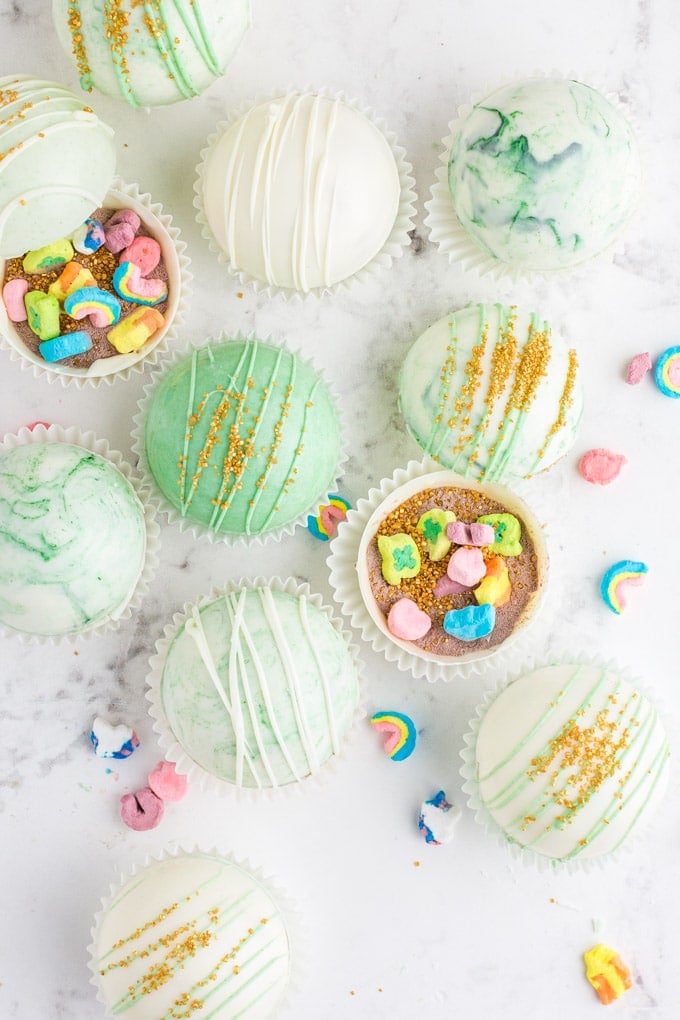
470	932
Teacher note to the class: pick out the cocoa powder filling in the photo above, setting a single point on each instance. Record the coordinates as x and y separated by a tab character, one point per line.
467	505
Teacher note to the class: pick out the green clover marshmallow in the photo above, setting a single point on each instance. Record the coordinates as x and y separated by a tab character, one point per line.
400	557
432	526
507	530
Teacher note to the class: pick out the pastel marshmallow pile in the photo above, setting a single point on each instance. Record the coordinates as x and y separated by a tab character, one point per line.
77	293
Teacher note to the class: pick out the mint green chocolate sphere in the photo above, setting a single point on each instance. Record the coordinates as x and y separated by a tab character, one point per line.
72	539
241	437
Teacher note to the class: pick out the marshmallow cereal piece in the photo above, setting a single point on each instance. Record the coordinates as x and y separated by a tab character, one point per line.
118	236
470	534
667	372
135	329
120	230
89	237
607	973
600	466
400	557
52	256
166	783
466	566
142	810
445	586
111	741
507	531
495	586
102	307
43	314
73	277
13	294
144	252
125	216
471	622
638	368
129	284
399	732
407	620
432	526
615	581
65	346
437	819
325	525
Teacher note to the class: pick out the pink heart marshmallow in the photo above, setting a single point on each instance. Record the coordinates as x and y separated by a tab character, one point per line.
406	620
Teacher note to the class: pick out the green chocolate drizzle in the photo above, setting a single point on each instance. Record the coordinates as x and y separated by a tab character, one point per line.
124	41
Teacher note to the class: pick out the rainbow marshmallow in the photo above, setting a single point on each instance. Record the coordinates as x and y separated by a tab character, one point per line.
129	284
616	578
667	372
325	524
103	308
400	733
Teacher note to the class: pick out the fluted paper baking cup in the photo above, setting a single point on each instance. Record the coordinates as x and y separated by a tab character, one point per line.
452	238
243	445
55	573
349	575
119	366
561	762
310	231
227	941
253	692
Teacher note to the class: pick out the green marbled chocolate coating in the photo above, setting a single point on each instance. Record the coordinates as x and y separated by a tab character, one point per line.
241	437
544	174
259	688
72	539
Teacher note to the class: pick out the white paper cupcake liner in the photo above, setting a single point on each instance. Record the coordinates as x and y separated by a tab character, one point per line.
395	245
88	441
295	926
119	366
173	750
201	531
348	552
468	770
451	237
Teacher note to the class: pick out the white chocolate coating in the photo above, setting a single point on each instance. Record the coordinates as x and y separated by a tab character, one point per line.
259	688
154	53
57	160
192	936
491	394
301	192
570	760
